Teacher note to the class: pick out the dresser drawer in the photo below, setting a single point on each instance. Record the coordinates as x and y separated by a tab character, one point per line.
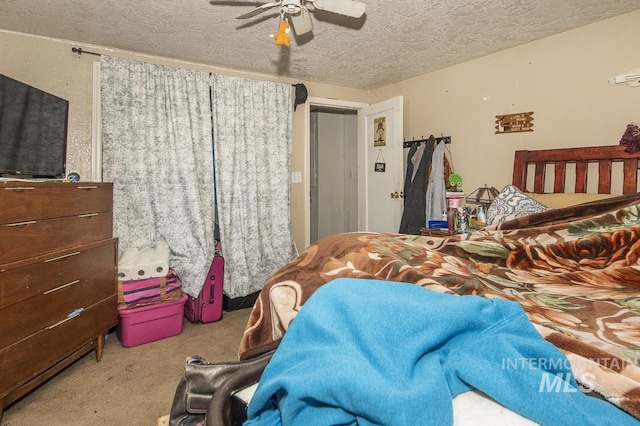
29	357
25	239
35	276
54	290
22	201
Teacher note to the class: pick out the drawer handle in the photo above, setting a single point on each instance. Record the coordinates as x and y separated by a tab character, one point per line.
69	317
64	256
61	287
88	215
87	188
21	224
20	188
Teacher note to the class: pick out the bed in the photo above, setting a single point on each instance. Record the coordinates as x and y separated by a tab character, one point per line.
573	270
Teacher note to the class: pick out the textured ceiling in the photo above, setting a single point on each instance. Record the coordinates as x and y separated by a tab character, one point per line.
393	41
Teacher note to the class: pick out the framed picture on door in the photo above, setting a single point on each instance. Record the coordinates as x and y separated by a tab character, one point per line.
380	131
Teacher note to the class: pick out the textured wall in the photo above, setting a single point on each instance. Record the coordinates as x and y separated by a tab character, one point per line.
52	67
563	79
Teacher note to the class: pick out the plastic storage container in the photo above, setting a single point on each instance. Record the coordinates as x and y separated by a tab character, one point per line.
438	224
146	324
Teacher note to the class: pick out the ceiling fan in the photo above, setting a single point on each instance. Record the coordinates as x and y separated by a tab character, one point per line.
298	14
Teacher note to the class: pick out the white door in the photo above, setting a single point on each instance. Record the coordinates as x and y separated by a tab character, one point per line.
380	166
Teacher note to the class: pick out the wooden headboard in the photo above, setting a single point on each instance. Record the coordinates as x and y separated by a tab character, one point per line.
604	156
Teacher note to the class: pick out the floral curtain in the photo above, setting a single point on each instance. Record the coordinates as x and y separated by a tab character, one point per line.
252	141
157	151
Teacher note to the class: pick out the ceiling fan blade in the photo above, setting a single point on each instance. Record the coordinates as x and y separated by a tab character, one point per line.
258	10
352	8
302	22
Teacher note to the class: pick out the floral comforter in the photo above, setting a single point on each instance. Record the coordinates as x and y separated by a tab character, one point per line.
575	271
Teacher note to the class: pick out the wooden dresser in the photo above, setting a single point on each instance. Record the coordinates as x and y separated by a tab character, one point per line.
58	279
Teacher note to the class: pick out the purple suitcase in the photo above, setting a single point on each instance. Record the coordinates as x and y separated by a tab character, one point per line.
207	307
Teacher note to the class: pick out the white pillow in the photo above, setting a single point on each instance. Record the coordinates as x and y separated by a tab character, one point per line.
510	204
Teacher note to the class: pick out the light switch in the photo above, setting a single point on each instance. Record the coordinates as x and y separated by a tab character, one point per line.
296	177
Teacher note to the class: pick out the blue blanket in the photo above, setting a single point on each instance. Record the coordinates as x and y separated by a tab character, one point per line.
371	352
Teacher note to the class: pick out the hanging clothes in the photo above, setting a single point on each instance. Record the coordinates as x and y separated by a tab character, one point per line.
414	214
408	177
417	158
413	161
436	187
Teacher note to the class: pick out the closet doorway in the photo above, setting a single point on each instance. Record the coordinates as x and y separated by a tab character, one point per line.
371	206
333	170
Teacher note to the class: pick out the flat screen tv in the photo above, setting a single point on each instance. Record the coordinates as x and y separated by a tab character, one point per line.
33	131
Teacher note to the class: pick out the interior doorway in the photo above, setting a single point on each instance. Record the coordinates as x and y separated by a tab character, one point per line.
377	209
333	171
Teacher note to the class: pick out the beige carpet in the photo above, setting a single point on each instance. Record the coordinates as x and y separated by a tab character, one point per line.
130	386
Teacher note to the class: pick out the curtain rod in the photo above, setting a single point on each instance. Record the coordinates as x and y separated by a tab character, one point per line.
79	51
445	139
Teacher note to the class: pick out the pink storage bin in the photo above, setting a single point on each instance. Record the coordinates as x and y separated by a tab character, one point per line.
146	324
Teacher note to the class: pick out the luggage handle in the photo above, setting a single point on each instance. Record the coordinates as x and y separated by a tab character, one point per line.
212	297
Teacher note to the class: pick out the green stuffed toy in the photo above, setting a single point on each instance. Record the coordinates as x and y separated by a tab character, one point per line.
455	182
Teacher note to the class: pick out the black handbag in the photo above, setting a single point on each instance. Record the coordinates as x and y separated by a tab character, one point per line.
202	380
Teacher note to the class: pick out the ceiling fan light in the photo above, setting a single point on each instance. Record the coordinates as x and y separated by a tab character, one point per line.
301	22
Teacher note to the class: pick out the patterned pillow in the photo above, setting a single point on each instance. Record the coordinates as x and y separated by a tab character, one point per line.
512	203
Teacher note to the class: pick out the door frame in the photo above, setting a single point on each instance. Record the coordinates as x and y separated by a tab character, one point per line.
322	102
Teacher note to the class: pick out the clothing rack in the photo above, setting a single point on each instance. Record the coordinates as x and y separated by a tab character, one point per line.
408	144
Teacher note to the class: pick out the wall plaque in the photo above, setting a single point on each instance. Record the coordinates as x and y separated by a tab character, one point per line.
513	123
